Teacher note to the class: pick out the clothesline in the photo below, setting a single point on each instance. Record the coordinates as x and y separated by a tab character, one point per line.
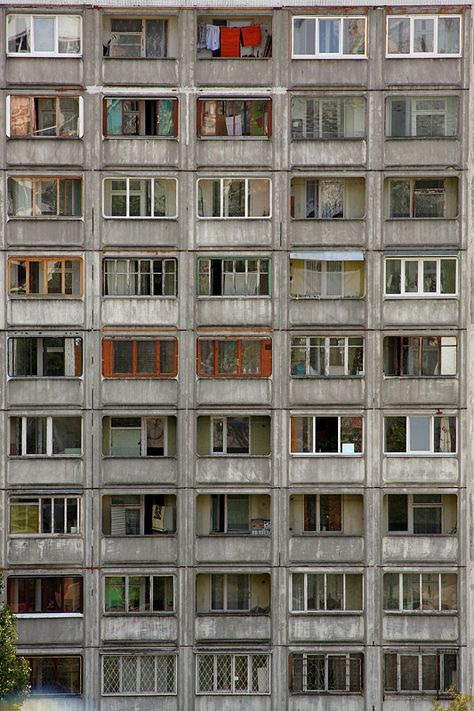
228	39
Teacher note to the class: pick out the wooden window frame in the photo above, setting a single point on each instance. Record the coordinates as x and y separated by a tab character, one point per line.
265	370
108	356
45	260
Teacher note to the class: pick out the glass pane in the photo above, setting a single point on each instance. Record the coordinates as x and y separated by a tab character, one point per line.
449	40
297	583
448	276
430	591
411	591
302	435
115	594
334	592
420	434
250	357
351	435
238	435
67	435
330	512
393	276
69	34
429	671
397	513
327	440
36	435
43	34
227	358
411	277
123	360
258	198
354	36
234	198
304	36
238	513
423	40
206	357
400	198
395	434
409	672
354	592
138	593
329	36
398	35
146	357
427	520
391	591
237	592
444	434
19	34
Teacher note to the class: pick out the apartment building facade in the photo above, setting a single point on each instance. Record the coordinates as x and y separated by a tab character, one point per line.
236	353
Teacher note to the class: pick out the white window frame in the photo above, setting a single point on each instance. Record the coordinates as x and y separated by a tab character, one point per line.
328	55
224	452
324	610
49	436
143	431
40	355
327	340
150	577
417	452
420	611
136	692
414	653
420	293
40	499
234	259
234	678
128	193
56	53
327	657
221	216
423	55
339	453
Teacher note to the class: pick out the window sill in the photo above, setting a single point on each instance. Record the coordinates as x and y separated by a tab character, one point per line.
233	613
357	57
420	377
118	457
405	534
422	219
172	218
158	534
141	138
417	455
24	457
42	218
107	57
42	55
36	378
214	219
423	55
236	534
43	536
124	376
341	139
234	138
359	376
421	613
328	219
44	138
421	138
48	615
232	59
299	455
46	297
412	297
139	614
138	296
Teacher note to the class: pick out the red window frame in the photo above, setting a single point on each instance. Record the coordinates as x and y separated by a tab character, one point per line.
265	358
108	359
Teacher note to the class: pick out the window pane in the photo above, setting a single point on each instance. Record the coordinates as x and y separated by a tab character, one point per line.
423	40
146	357
393	276
330	512
36	435
123	361
395	434
258	198
411	591
69	31
444	434
138	593
238	513
327	434
351	435
227	357
449	35
336	673
250	357
238	439
429	671
398	31
400	198
391	591
329	36
398	513
304	36
237	592
430	591
334	592
302	435
354	592
315	673
67	435
234	198
115	594
427	520
448	276
43	34
19	33
155	436
354	36
420	431
206	359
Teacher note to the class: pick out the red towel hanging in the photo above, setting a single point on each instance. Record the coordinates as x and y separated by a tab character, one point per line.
251	36
230	42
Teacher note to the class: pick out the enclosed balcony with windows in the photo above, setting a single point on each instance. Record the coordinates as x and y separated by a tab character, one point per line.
56	676
233	527
241	674
139	527
136	50
233	606
326	527
320	673
417	673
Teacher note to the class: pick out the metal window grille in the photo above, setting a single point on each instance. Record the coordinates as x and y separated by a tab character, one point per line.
139	675
233	673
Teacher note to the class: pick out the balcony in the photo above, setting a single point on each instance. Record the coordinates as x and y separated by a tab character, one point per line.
236	391
141	550
119	152
223	71
327	233
239	152
321	469
314	702
345	627
146	471
53	630
146	233
415	233
139	628
420	627
327	312
39	392
62	552
234	233
417	152
45	312
228	548
423	312
238	311
44	233
246	702
430	391
44	151
326	548
141	71
334	72
233	470
41	71
137	311
416	72
320	391
408	470
233	628
53	471
326	153
420	549
139	391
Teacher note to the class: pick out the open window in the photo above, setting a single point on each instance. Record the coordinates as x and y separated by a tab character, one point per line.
235	435
421	514
45	357
139	436
135	117
44	116
139	37
44	197
420	356
326	434
234	276
50	277
138	514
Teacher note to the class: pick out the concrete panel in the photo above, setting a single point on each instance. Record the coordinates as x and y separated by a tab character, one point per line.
421	233
55	629
434	391
334	72
327	470
410	703
327	312
47	312
239	311
233	703
140	151
418	152
327	153
233	549
420	470
48	233
324	702
158	391
327	233
420	627
321	391
336	628
233	470
63	551
139	549
215	391
243	233
236	152
139	628
136	703
41	151
234	72
63	71
425	312
233	627
155	470
444	72
420	549
45	391
50	471
333	549
139	311
140	71
146	233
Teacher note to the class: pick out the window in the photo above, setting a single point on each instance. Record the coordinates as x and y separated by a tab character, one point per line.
234	118
233	435
415	434
234	276
55	675
135	515
420	592
141	117
44	197
234	197
234	37
45	436
325	279
327	118
422	514
230	513
329	37
140	277
47	35
326	435
51	357
139	358
229	358
131	38
423	198
140	197
324	592
329	199
139	674
322	513
418	276
324	356
326	673
425	673
424	36
230	592
61	595
233	673
420	356
42	276
139	436
45	515
422	116
44	116
139	593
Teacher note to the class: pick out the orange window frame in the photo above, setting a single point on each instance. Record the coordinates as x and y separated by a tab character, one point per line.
108	360
265	358
45	260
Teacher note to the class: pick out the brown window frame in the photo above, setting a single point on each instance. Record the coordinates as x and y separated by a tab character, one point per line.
229	100
265	370
108	358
